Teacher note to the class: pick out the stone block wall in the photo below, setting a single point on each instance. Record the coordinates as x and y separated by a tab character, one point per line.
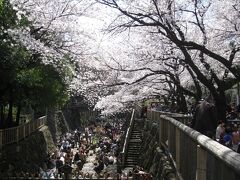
27	155
153	157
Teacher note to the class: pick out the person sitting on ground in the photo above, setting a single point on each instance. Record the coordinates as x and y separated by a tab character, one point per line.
111	160
68	159
105	160
79	164
76	157
59	164
100	166
82	156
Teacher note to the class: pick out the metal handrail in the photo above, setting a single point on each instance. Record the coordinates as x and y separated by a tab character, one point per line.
126	141
15	134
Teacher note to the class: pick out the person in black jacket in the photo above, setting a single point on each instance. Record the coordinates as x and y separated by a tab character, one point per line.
100	167
59	164
205	118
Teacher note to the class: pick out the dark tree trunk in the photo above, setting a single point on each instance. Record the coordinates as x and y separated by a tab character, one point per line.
166	101
183	104
18	113
10	115
221	106
197	85
1	116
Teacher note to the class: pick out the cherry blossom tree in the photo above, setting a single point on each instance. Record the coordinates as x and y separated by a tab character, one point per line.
209	52
161	47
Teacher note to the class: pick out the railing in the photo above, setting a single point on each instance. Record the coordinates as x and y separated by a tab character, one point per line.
183	118
87	114
15	134
197	156
126	140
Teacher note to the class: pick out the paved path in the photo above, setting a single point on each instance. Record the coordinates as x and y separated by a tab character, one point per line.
89	165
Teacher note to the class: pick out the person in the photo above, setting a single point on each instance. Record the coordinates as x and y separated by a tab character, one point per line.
228	134
220	130
76	157
59	164
100	166
143	110
234	143
87	134
231	113
205	118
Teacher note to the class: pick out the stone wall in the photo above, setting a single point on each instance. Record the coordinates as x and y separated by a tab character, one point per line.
153	156
28	154
56	123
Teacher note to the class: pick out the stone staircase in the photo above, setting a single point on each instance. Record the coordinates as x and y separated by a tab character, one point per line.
134	146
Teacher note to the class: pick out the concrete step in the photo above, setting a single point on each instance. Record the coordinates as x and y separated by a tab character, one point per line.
132	154
131	161
130	165
136	148
132	158
135	140
133	151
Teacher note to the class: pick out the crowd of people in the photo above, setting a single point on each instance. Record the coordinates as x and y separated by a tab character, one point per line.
228	133
85	153
205	121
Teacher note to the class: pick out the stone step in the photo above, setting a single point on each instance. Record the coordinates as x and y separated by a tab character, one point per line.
132	158
135	140
131	161
130	165
132	154
136	132
133	147
133	151
137	135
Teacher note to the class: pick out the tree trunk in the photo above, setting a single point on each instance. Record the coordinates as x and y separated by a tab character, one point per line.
183	105
221	105
181	102
1	116
10	115
18	113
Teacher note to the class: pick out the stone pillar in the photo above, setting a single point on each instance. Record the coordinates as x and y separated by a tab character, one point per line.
201	164
178	148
